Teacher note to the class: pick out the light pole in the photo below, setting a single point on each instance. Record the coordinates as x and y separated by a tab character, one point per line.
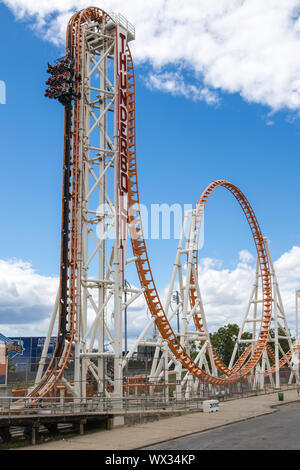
297	310
175	298
235	339
126	284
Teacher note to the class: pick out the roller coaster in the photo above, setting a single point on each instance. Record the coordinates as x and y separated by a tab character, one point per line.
100	197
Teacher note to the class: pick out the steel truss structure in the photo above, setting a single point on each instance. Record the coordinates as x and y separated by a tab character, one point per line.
100	206
98	232
270	363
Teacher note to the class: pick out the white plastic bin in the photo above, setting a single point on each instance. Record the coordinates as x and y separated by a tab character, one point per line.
210	406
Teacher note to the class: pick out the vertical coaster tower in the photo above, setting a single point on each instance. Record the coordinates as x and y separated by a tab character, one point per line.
95	202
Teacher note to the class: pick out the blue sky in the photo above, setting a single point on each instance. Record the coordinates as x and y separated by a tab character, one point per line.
183	144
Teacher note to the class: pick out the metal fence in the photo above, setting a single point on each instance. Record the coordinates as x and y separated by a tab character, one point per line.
27	406
139	392
22	371
53	406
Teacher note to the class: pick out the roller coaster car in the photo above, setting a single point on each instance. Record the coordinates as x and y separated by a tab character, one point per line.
62	81
61	65
56	79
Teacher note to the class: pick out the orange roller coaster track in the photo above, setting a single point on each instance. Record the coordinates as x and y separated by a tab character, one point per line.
247	365
71	239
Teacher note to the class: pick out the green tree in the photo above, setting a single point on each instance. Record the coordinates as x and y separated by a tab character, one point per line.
283	342
223	341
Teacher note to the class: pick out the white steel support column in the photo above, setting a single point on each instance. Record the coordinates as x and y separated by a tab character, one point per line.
280	324
42	361
252	319
297	298
184	290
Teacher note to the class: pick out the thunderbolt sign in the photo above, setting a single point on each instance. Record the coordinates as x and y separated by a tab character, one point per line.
123	117
122	128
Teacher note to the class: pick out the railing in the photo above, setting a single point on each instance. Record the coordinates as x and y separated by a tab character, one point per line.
122	21
27	406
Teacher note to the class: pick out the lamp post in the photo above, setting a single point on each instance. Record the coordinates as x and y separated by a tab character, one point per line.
297	311
235	339
126	284
175	298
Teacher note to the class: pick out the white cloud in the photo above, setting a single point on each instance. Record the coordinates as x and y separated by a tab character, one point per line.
248	47
287	268
226	292
174	83
26	299
245	256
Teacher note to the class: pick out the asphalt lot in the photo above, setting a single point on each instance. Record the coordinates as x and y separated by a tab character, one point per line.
276	431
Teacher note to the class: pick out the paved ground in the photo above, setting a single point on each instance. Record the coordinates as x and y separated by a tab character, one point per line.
147	434
277	431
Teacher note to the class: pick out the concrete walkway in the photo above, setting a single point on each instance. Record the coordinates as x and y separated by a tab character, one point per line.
146	434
